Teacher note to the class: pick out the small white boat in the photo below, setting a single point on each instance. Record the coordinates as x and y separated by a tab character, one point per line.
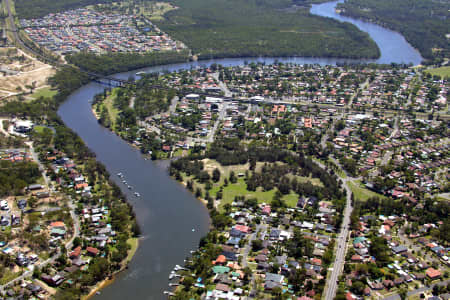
137	194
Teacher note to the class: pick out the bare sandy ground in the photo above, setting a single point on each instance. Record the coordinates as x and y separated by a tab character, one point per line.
31	70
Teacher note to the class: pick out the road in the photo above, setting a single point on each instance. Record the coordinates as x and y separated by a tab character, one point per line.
41	166
259	228
388	154
222	85
338	265
173	104
395	131
417	291
361	87
2	130
324	139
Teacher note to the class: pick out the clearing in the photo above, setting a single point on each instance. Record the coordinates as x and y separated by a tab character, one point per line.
361	193
443	72
21	73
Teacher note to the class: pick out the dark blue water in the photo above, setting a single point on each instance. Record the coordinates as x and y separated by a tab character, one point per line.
166	212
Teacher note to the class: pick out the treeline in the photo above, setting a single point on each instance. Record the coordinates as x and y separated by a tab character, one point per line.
121	62
233	28
14	177
424	24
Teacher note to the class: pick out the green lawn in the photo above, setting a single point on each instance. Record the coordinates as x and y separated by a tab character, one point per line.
44	92
39	129
8	276
443	72
134	243
240	189
360	192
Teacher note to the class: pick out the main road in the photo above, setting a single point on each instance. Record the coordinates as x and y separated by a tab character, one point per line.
338	265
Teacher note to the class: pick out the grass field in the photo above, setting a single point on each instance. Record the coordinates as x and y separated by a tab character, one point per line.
361	193
240	189
108	104
44	92
134	243
443	72
9	275
39	129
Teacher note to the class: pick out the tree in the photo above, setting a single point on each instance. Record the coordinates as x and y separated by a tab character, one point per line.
380	250
256	245
198	192
216	175
77	242
403	293
188	282
233	178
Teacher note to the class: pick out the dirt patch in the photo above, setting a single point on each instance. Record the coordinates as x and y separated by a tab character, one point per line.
21	72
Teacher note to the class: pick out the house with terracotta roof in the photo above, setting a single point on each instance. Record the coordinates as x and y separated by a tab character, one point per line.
92	251
75	253
433	273
221	260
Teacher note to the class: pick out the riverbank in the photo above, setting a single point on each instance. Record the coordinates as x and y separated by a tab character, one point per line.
104	283
424	27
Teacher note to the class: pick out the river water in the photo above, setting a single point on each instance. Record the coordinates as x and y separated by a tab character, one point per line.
171	219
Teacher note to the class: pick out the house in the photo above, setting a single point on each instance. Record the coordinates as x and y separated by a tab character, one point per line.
356	258
55	280
273	280
398	280
433	273
223	287
75	253
399	249
92	251
388	284
221	260
58	232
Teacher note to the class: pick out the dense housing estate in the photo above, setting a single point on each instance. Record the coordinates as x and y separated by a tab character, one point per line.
91	31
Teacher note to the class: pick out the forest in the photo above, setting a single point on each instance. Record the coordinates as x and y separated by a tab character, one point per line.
14	177
28	9
423	23
218	28
121	62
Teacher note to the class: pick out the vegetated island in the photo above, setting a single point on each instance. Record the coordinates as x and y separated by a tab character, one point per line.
424	24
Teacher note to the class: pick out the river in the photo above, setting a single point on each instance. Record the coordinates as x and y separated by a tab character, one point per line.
171	219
